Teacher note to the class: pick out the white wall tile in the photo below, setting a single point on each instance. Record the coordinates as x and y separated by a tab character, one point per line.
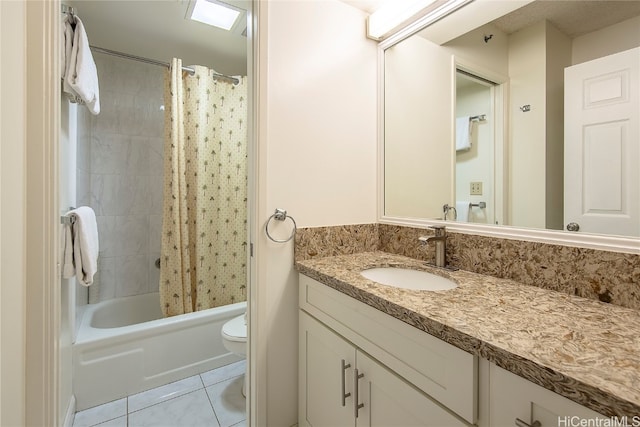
106	280
154	272
123	149
132	235
132	275
155	232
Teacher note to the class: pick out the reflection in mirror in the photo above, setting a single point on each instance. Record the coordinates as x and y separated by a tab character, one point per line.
475	146
543	157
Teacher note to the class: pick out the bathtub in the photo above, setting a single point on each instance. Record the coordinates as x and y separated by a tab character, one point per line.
125	346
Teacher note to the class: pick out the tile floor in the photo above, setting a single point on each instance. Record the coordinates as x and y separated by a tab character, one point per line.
212	399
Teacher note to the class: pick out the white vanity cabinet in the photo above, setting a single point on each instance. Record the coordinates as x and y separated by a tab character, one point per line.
404	376
343	386
515	401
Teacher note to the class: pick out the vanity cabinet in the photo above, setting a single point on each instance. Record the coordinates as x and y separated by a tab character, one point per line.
404	376
515	401
343	386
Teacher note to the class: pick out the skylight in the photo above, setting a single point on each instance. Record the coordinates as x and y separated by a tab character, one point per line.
216	14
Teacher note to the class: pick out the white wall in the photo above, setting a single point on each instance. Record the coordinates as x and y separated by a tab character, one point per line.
12	213
558	58
527	139
613	39
418	114
418	154
123	160
317	159
491	55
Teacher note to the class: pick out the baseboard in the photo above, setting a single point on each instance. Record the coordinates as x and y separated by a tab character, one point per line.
71	412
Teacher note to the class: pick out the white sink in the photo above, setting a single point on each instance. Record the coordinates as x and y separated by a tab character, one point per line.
406	278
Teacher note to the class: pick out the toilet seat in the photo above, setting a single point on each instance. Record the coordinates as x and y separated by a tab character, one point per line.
235	329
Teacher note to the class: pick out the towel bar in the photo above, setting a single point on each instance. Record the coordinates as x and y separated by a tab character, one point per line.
67	220
480	205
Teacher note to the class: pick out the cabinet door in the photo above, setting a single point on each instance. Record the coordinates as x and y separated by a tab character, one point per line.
390	401
322	380
514	397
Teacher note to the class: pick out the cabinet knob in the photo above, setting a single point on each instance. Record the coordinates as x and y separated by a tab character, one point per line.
521	423
356	405
345	366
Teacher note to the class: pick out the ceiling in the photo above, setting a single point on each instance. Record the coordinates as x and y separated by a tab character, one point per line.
573	18
157	29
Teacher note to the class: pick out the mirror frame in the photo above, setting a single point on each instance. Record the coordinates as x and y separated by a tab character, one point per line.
604	242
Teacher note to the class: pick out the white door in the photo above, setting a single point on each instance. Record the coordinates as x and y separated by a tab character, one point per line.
602	154
388	401
323	381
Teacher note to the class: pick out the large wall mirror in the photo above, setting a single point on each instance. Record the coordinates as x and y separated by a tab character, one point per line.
524	116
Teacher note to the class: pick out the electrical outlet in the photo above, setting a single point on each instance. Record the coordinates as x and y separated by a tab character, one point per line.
476	189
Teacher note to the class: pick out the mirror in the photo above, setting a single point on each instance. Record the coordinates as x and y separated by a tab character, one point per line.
475	119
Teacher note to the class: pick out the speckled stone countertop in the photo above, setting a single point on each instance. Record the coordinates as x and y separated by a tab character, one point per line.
582	349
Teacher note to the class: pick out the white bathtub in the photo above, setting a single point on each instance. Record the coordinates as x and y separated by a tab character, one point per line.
125	346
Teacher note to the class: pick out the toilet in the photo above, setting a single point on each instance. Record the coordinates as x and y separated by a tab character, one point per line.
234	338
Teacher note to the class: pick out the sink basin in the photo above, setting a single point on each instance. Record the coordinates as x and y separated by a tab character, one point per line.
406	278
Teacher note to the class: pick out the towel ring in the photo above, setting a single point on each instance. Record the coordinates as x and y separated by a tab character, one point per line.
280	215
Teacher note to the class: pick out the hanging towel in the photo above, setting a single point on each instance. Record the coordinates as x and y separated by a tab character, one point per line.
463	207
67	43
81	246
81	74
463	133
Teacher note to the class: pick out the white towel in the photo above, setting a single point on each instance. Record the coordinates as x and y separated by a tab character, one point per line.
67	43
463	208
82	75
463	133
81	246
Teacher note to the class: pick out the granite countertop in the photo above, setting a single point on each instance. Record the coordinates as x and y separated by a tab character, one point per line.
582	349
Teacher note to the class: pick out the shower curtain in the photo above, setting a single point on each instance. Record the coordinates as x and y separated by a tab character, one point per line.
204	242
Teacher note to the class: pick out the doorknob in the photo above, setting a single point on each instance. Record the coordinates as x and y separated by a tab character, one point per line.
573	226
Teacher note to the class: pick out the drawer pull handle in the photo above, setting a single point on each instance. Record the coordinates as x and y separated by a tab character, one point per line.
521	423
345	366
356	405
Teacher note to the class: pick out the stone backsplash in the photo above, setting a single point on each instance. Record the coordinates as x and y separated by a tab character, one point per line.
606	276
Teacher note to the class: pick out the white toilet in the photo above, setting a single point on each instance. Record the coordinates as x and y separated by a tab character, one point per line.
234	338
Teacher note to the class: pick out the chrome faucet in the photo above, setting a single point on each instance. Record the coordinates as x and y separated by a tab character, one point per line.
440	240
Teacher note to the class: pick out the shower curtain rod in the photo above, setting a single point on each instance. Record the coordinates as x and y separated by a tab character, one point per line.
154	62
72	11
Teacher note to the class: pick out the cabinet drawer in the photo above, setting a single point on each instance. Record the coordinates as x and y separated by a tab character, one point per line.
441	370
514	397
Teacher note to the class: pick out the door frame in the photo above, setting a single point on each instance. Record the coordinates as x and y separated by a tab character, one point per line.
500	110
42	292
41	124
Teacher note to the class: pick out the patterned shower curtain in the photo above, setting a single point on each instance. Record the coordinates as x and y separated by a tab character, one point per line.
204	242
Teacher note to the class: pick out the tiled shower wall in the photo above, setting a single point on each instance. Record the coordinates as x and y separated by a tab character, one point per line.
120	176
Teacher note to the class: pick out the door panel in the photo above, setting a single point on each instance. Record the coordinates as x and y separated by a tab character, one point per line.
321	354
390	401
602	147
